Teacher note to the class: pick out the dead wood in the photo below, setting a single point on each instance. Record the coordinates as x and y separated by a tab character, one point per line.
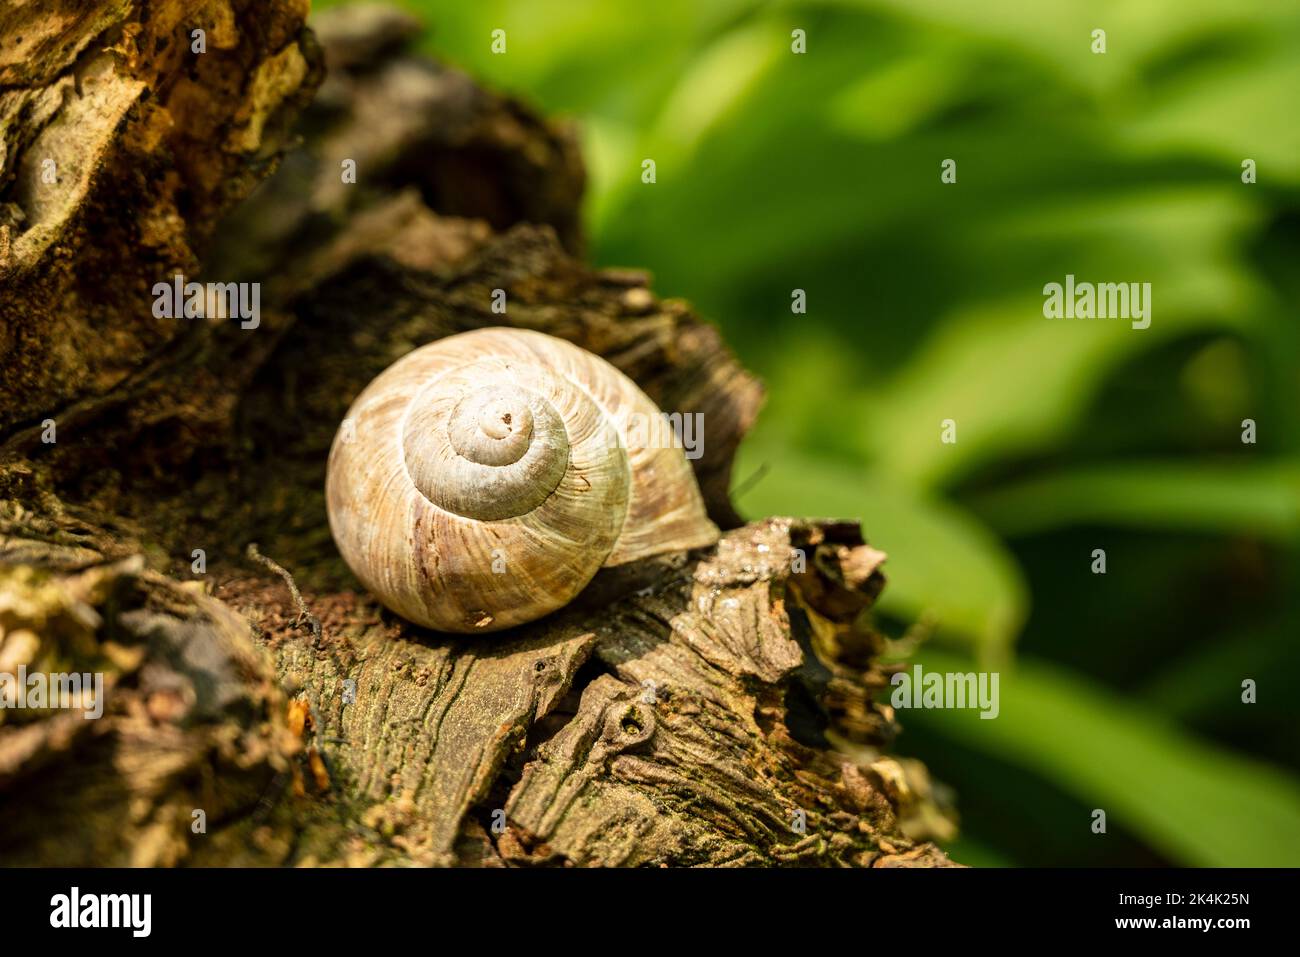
709	708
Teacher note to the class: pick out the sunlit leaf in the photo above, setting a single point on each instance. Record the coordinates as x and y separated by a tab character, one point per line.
1229	498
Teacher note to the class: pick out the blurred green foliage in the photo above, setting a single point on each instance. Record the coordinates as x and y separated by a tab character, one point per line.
821	172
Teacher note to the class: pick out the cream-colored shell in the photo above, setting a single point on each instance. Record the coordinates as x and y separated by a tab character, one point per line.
482	480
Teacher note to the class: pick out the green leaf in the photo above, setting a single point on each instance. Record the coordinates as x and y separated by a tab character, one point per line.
1015	381
1230	498
1195	802
1205	682
1224	115
714	84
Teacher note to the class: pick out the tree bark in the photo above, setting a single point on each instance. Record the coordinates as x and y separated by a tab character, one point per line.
711	708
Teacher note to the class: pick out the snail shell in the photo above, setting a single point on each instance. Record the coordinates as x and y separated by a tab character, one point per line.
482	480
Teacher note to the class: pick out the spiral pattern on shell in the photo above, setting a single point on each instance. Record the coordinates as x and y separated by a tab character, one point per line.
482	480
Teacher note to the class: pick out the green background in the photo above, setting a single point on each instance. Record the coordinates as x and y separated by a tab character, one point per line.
821	172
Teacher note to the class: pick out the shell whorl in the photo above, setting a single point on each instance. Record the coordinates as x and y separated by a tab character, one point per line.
492	454
483	480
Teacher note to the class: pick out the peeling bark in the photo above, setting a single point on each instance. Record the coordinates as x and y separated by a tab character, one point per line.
713	708
119	150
